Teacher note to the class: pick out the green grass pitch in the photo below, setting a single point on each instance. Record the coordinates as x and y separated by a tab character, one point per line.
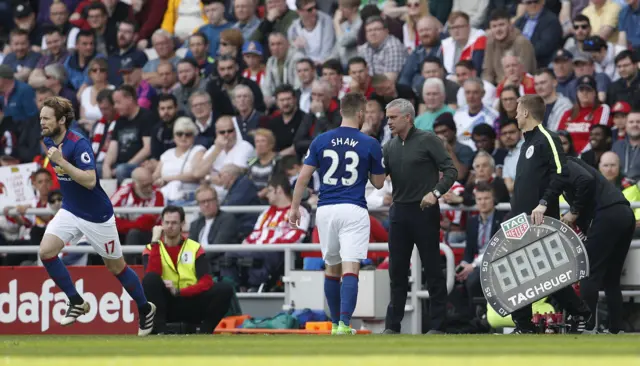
282	350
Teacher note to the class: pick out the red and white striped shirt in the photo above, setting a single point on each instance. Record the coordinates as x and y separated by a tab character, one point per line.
126	196
272	227
456	217
258	77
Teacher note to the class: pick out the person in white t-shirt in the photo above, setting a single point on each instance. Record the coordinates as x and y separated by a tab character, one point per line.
174	172
474	113
228	148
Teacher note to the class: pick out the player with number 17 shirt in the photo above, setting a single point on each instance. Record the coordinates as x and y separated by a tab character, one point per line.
345	159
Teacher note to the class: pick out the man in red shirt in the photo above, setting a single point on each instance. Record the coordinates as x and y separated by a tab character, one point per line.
178	278
514	74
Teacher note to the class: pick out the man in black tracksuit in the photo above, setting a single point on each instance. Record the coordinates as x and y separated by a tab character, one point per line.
603	214
541	174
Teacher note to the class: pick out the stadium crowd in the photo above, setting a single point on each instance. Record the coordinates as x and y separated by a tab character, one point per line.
215	102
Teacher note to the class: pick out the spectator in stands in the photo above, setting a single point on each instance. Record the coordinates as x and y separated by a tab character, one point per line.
332	73
312	33
563	71
8	136
515	75
281	66
306	72
262	167
480	230
507	105
511	139
56	80
504	37
291	166
542	28
285	125
270	228
415	10
162	134
556	104
432	68
182	18
628	25
278	19
184	292
103	127
230	77
433	95
429	33
88	97
55	53
586	112
610	167
164	46
245	14
567	143
581	30
453	222
374	122
465	43
25	19
461	154
200	104
324	115
371	10
465	70
18	98
21	59
484	170
627	149
627	88
247	117
346	24
199	52
603	16
149	15
383	53
476	12
620	111
76	64
252	55
167	77
360	77
214	11
131	71
189	81
240	191
603	55
386	90
135	229
229	148
484	139
58	16
106	36
127	52
474	112
599	143
174	172
131	141
584	66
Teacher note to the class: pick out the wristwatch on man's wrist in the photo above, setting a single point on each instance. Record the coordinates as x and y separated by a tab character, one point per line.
436	193
543	203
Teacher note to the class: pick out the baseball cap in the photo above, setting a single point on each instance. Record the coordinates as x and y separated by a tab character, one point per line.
582	57
563	55
587	81
594	44
621	107
252	47
130	63
22	10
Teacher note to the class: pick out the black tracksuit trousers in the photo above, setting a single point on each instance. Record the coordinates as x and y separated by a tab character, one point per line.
608	241
206	309
411	225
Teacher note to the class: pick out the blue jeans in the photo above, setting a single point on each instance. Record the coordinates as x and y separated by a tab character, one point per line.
123	171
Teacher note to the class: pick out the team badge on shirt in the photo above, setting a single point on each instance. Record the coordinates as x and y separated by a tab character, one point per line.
187	258
85	157
529	152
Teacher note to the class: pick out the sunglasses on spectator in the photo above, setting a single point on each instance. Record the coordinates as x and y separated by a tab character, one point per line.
311	9
225	132
55	200
99	69
185	134
581	26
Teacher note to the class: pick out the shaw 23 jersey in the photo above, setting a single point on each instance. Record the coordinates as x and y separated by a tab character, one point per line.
88	204
344	157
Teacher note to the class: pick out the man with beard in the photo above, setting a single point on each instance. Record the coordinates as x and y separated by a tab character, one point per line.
600	141
429	33
189	80
230	77
627	88
285	125
127	34
162	132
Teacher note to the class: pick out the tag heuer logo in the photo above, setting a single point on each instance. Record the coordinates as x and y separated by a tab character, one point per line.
516	227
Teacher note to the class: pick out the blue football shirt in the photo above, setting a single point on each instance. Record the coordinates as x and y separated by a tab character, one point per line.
88	204
344	157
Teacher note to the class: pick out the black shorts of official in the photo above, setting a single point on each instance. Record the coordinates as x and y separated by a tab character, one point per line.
410	225
608	241
205	309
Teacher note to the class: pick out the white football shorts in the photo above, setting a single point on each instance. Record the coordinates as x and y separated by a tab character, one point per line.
344	231
102	236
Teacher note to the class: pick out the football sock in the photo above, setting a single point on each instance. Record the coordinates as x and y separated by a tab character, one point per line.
131	283
348	296
60	275
332	293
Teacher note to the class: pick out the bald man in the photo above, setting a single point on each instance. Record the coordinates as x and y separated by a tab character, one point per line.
428	28
610	167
